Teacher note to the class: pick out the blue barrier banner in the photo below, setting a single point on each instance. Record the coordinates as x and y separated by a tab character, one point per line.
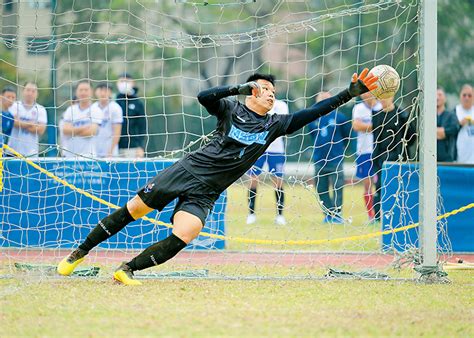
400	206
37	211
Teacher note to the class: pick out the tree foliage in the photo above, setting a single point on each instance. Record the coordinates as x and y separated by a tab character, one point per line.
8	70
455	44
151	39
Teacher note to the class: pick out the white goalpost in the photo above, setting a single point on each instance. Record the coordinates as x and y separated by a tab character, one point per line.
428	165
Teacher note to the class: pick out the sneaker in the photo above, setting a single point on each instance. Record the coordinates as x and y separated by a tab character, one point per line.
280	220
125	276
337	220
327	219
69	263
251	219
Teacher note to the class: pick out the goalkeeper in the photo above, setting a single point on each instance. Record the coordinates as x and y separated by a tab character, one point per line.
243	133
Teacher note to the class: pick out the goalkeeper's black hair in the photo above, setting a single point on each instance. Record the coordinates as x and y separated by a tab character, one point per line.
268	77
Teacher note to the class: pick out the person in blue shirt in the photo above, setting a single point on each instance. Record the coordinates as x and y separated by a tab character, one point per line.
7	98
331	135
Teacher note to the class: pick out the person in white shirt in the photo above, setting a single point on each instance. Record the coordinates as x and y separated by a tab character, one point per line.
110	129
30	122
274	157
362	124
465	115
80	124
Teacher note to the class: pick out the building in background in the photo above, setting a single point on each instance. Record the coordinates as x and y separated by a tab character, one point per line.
27	29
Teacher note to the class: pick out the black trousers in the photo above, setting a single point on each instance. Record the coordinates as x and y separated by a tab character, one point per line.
329	182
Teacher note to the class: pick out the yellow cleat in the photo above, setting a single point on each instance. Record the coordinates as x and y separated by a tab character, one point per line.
69	263
125	276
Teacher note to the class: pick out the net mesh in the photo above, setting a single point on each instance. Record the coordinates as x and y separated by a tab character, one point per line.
174	50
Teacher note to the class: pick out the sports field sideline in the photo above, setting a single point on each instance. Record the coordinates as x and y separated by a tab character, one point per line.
33	304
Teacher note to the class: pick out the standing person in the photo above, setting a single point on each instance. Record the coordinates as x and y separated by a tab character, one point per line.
389	126
465	115
7	98
447	129
132	141
275	159
80	124
110	129
243	133
362	124
331	135
30	122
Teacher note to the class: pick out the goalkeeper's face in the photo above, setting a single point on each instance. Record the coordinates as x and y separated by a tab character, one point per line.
266	99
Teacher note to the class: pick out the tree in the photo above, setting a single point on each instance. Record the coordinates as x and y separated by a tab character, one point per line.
455	44
8	69
176	49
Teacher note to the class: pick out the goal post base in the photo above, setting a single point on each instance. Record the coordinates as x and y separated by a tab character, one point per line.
431	275
49	269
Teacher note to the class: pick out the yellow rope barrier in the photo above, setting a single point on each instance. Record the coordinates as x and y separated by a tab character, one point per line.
239	239
1	168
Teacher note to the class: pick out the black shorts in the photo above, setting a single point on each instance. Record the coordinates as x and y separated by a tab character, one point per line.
194	196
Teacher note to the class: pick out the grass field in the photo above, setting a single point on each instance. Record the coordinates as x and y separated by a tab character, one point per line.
304	218
66	308
43	306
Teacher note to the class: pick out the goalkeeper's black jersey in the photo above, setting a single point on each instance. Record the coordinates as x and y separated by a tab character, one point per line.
241	137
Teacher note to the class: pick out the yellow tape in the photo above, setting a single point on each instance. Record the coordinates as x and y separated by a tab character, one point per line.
240	239
1	166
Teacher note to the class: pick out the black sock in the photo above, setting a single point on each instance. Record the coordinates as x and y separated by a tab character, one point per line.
157	253
107	227
252	198
280	198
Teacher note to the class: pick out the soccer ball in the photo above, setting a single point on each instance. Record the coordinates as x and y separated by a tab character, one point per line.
388	82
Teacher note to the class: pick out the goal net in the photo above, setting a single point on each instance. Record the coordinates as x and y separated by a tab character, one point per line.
173	50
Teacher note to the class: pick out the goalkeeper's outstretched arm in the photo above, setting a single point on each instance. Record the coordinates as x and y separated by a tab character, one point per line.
211	98
359	85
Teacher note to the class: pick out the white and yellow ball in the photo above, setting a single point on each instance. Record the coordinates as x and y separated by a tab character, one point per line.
388	81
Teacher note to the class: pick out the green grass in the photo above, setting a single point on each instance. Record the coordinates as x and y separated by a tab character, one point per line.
87	308
304	216
62	307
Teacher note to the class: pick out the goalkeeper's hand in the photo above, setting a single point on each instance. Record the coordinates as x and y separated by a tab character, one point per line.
248	89
362	83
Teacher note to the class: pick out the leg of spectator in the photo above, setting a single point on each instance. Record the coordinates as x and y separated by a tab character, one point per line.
252	193
368	197
338	178
279	193
322	187
377	196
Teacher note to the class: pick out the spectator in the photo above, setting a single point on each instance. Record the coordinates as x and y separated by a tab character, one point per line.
30	122
80	124
465	115
274	156
108	137
132	141
389	127
362	124
447	130
7	99
330	134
